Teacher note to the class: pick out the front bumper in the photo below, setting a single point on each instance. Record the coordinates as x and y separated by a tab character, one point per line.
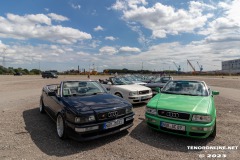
139	98
99	131
191	128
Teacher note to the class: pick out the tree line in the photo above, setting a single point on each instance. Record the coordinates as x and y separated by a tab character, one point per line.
11	71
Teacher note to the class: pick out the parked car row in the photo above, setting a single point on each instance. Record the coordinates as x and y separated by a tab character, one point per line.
85	110
118	87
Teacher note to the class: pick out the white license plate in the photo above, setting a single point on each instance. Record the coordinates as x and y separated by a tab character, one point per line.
173	126
145	97
114	123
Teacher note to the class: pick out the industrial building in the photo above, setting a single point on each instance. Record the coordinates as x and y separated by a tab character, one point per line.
231	66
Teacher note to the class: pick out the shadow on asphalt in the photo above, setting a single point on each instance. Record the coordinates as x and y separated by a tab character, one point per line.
165	141
139	105
43	133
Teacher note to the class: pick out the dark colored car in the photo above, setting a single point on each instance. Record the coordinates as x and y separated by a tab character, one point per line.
84	110
49	75
18	74
158	82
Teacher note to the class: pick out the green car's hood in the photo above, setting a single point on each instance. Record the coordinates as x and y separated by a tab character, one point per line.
184	103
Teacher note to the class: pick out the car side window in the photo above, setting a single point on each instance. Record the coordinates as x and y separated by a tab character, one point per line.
66	91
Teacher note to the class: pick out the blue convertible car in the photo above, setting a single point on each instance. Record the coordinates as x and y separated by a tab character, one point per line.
84	110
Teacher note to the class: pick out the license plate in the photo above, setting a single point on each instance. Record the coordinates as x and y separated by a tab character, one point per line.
173	126
114	123
145	97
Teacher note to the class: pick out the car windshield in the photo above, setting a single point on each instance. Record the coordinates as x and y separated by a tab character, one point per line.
81	88
54	74
166	79
193	88
120	81
162	79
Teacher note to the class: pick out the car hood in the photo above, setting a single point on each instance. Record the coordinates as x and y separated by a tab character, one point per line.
139	82
184	103
132	87
94	102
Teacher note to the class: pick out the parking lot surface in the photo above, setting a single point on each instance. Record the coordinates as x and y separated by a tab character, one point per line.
27	134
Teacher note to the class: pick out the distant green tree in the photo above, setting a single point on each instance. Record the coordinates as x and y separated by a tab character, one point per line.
15	70
25	71
35	71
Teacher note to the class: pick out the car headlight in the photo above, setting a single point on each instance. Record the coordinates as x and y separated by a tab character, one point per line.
133	93
151	111
128	110
85	119
201	118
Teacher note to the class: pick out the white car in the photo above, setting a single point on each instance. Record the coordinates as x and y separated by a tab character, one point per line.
131	92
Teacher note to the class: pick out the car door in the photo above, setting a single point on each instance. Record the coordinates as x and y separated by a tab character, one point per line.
55	104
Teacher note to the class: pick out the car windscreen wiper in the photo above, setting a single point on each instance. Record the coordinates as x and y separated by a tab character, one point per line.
189	94
168	92
95	93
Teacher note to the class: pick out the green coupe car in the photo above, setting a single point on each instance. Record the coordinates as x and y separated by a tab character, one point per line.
185	108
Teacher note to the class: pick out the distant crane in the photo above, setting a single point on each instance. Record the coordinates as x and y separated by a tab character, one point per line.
178	67
191	66
200	67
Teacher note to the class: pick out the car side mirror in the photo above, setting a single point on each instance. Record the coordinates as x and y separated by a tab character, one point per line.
158	90
52	93
215	93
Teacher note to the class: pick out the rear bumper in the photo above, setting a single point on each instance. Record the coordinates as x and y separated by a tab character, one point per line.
100	131
154	123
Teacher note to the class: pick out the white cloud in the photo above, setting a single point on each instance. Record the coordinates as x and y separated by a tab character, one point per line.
111	38
157	57
129	49
162	19
2	46
83	54
38	26
57	17
95	43
98	28
225	27
29	19
75	6
119	5
107	50
124	4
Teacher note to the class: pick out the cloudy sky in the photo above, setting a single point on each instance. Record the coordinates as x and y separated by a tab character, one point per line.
100	34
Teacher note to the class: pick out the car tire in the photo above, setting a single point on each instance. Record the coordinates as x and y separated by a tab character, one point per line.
119	95
214	133
61	127
41	106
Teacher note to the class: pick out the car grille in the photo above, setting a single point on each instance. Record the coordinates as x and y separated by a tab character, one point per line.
111	114
174	115
144	92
